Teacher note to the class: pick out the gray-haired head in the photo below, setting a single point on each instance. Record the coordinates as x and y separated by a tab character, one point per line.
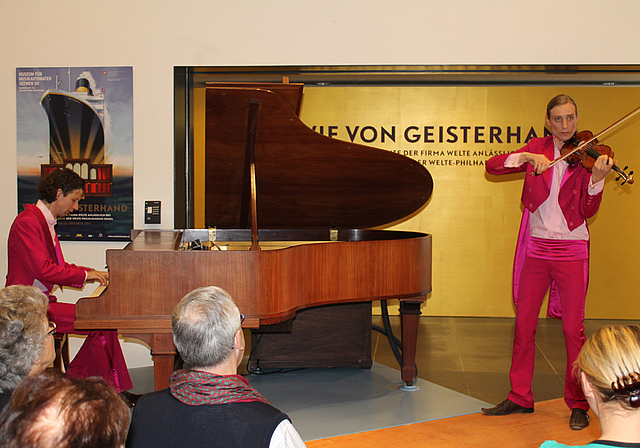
204	325
23	330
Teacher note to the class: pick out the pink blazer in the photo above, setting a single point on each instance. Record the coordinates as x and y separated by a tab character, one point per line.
576	204
32	254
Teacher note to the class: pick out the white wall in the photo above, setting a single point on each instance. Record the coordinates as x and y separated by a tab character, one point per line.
154	36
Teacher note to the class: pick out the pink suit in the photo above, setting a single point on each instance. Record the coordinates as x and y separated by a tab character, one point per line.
32	258
534	275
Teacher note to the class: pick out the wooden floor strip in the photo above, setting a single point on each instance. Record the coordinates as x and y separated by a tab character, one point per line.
550	421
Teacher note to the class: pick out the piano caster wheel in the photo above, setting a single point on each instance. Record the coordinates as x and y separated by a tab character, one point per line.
409	386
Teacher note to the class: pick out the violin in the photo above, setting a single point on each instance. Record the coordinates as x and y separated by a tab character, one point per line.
584	148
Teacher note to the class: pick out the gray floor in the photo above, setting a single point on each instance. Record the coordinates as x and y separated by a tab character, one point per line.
332	402
329	402
463	364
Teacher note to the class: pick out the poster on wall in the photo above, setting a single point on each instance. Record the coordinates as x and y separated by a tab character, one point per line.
80	118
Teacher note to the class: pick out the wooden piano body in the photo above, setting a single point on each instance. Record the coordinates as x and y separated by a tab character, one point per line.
292	211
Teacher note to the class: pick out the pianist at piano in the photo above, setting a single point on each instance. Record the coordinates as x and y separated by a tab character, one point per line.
35	259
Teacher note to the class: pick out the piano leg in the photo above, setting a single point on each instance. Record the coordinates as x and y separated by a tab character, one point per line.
410	314
163	353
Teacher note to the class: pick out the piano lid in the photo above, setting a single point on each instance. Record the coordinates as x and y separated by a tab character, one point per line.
303	179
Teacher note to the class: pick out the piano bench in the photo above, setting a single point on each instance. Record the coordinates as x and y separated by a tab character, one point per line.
61	347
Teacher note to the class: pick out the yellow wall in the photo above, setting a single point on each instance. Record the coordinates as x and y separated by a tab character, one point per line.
474	217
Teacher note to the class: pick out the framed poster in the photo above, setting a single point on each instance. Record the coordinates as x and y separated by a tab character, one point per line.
80	118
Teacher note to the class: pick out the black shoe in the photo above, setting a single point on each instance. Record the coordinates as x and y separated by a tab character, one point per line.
507	407
579	419
129	398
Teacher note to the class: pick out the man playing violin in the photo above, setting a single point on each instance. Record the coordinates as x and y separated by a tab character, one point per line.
552	253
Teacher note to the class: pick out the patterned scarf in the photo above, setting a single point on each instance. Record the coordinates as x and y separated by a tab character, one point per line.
195	388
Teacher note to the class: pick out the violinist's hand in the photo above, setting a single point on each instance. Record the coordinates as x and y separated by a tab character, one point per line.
602	166
539	162
100	276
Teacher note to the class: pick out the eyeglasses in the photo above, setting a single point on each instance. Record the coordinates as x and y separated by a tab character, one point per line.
241	318
52	328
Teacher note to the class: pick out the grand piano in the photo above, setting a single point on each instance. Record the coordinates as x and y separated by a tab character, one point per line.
294	223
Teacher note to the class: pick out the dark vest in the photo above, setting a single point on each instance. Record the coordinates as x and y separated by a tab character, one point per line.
160	420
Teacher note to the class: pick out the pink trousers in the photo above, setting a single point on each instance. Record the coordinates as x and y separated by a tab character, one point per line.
571	278
100	354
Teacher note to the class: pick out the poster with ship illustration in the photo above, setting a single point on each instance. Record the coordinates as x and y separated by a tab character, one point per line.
80	118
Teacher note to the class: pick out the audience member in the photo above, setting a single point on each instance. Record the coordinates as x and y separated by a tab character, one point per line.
209	405
608	367
26	337
54	410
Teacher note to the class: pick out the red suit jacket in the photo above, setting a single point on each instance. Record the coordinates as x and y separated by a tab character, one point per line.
32	255
576	204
